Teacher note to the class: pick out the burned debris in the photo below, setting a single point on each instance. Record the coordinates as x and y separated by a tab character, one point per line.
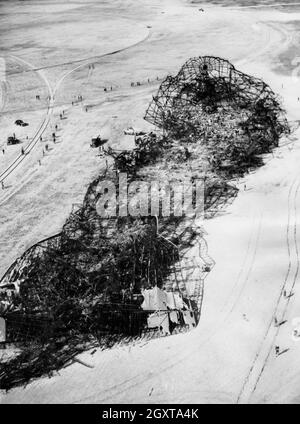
91	284
235	115
85	287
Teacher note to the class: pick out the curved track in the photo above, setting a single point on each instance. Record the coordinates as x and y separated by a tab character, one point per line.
16	163
8	171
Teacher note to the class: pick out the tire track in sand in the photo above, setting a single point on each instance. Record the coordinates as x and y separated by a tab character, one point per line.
267	344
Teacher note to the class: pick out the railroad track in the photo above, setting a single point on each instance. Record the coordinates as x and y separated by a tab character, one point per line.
30	146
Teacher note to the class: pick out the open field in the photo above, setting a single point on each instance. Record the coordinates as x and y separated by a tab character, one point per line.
49	48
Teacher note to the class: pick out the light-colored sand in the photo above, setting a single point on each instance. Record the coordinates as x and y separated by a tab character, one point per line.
230	356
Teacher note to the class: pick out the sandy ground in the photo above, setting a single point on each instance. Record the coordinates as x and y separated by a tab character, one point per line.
230	356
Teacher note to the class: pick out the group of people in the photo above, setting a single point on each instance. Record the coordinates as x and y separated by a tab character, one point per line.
62	115
138	83
79	99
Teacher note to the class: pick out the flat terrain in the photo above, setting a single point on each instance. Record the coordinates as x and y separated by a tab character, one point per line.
49	49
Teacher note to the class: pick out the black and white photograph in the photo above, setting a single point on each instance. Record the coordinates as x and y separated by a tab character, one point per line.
149	204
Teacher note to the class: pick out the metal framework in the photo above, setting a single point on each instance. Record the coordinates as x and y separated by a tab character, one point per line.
87	281
207	83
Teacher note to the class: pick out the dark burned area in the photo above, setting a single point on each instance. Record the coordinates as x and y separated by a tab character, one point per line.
82	287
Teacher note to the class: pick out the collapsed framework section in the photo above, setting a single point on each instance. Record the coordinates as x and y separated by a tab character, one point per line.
109	277
208	84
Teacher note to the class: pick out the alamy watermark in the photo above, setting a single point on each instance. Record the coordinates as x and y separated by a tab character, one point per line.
155	198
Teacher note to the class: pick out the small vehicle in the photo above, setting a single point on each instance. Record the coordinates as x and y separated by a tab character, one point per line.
132	131
21	123
98	141
13	140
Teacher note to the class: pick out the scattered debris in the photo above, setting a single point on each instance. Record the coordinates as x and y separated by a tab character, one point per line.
104	280
133	131
83	363
236	117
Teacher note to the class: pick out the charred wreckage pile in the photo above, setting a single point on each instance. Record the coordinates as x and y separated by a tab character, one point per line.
105	278
236	116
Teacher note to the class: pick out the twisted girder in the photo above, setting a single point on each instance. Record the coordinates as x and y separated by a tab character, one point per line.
208	82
